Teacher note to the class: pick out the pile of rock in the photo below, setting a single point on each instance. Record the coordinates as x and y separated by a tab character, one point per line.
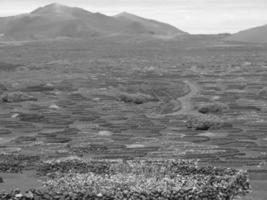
17	194
138	179
74	166
16	163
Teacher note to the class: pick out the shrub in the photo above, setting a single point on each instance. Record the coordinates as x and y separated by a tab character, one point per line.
39	88
137	98
14	97
30	117
212	108
204	122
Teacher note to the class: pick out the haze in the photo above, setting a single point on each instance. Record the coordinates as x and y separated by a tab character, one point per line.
193	16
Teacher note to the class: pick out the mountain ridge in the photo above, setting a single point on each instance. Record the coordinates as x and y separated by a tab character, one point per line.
57	20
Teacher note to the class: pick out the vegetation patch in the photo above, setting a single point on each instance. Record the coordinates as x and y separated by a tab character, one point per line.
39	88
30	117
137	98
25	139
14	97
8	66
212	108
204	122
86	148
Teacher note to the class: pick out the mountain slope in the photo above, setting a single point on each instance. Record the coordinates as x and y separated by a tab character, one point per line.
55	20
257	35
152	26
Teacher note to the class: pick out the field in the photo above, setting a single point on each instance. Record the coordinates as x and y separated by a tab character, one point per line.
111	98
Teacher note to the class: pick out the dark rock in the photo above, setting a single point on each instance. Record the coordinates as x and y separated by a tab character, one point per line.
1	180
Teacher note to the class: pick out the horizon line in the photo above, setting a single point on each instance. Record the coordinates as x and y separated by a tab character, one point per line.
125	11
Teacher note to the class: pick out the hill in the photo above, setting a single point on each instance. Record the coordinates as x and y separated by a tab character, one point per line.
56	20
254	35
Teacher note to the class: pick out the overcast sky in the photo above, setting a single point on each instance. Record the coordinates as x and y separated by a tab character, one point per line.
193	16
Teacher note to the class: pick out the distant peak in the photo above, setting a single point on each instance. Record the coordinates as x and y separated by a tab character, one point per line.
55	5
125	14
56	8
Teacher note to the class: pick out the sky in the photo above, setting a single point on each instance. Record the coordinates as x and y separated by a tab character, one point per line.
193	16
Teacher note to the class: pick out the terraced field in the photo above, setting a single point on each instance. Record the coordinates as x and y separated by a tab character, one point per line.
126	99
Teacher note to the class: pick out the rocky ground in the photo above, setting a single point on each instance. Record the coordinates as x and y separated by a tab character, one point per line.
125	99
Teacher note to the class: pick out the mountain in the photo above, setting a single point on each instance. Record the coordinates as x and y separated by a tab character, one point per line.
254	35
56	20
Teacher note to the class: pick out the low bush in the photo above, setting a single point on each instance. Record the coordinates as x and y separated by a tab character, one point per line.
14	97
212	108
137	98
30	117
204	122
39	88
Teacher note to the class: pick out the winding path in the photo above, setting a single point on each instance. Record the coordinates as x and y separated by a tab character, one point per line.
186	106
